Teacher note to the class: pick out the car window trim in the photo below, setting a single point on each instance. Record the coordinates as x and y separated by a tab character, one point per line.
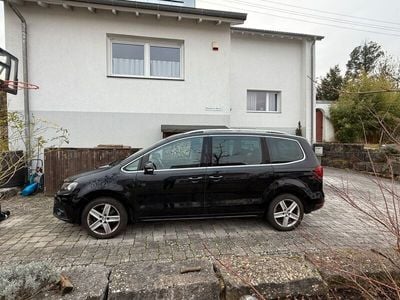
209	143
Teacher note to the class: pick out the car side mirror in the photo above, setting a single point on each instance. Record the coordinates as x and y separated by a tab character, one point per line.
149	168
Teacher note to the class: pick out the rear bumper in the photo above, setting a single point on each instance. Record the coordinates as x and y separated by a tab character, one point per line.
64	210
318	202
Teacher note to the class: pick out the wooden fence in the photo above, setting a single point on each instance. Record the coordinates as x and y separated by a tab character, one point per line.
59	163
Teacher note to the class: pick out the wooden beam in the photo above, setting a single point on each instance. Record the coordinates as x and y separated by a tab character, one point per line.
92	10
42	4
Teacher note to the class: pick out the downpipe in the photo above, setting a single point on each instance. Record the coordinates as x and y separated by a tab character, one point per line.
312	91
27	113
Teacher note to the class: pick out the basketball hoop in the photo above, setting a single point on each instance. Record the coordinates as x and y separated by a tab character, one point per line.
17	85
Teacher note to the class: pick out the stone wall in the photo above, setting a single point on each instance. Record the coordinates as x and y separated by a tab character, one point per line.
357	157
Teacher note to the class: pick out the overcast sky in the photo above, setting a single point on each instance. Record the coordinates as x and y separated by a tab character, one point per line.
302	15
338	42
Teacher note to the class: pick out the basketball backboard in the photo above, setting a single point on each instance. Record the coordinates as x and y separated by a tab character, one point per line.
8	72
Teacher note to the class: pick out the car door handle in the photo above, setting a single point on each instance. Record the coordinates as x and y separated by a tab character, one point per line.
216	177
195	179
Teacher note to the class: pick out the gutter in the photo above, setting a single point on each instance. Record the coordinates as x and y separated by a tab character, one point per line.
27	114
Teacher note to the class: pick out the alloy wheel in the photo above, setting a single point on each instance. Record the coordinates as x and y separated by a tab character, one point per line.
286	213
103	219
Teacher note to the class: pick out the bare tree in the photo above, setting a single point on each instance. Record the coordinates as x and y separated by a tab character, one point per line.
12	141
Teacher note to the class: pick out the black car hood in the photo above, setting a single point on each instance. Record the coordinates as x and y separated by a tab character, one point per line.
87	175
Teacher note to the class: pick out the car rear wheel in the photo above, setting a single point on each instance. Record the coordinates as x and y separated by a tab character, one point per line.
104	218
285	212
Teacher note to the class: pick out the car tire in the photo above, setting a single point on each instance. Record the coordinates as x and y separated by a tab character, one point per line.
104	218
285	212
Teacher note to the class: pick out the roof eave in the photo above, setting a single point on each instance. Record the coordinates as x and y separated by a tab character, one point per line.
232	18
272	33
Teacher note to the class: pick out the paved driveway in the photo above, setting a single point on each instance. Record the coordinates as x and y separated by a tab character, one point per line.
32	233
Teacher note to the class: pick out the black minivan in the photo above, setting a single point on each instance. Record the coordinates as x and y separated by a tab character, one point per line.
202	173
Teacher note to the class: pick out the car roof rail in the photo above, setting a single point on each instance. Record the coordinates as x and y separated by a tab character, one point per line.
276	132
236	130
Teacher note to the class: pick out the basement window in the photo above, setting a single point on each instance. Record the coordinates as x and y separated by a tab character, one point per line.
263	101
141	58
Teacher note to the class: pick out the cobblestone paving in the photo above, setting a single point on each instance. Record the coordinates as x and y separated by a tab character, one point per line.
32	233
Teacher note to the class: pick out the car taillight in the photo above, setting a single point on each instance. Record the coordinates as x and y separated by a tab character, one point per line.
319	172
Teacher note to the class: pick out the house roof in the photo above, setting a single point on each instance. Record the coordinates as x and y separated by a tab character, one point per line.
273	33
147	8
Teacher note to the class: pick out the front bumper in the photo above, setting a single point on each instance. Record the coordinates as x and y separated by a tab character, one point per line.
64	210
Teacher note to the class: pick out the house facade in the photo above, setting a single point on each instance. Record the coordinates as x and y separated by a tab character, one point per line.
126	72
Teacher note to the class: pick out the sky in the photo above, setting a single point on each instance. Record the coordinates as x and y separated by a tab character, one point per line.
344	23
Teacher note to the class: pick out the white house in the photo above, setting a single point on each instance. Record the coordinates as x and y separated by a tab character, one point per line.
127	72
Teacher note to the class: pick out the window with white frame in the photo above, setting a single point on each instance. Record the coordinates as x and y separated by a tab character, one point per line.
153	58
263	101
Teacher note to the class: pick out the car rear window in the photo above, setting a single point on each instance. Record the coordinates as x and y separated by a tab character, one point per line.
284	150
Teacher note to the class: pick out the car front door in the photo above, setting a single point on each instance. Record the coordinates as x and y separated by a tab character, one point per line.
176	187
237	176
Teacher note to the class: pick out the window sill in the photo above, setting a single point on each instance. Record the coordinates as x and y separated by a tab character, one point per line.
263	112
144	77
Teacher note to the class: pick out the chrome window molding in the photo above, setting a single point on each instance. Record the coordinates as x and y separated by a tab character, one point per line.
211	167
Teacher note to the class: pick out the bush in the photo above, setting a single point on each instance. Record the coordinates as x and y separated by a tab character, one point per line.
356	116
22	281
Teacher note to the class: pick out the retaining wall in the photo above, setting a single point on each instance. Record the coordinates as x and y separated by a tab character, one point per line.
357	157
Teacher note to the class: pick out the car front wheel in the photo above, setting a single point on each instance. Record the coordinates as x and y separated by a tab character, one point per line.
104	218
285	212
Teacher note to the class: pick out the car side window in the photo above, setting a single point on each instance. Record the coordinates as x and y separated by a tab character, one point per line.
236	150
133	166
284	150
185	153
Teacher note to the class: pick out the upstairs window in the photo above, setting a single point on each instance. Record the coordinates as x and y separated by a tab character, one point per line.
151	58
127	59
165	61
263	101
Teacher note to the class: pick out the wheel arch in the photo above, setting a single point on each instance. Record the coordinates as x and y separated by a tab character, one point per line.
106	193
297	189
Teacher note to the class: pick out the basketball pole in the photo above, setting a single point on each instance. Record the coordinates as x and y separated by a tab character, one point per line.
27	114
3	122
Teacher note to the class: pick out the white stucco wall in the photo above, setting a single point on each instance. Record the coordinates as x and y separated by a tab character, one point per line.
68	60
328	133
270	64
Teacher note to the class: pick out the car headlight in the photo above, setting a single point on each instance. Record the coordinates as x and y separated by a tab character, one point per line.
68	186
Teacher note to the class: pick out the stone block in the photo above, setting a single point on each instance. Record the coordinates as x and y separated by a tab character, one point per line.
273	276
89	282
148	281
340	266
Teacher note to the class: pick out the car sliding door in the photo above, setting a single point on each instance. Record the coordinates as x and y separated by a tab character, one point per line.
238	175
